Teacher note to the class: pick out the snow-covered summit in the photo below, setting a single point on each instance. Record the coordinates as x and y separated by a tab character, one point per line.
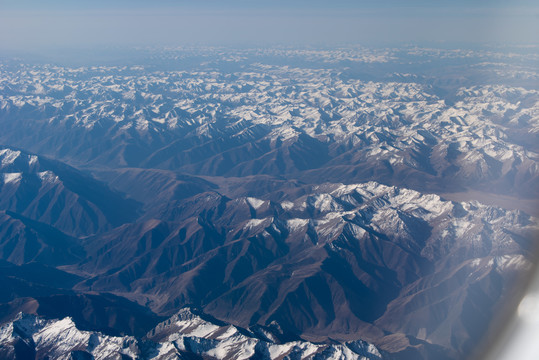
187	335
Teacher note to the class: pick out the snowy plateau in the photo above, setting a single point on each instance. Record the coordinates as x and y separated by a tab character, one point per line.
213	203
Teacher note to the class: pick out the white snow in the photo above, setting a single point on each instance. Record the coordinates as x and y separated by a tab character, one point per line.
287	205
12	177
48	177
252	223
8	156
32	160
297	224
255	203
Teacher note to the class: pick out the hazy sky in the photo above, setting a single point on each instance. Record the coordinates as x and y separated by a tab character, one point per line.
38	24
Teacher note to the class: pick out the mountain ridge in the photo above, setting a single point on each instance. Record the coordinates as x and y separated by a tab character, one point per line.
304	203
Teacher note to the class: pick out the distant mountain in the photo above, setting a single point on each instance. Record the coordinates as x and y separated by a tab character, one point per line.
304	123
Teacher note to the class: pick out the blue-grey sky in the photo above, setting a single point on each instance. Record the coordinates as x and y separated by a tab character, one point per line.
38	24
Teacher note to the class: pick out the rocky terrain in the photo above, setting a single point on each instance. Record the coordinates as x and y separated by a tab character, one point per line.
183	336
264	203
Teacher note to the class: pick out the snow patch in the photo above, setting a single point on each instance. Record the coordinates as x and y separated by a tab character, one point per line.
12	177
252	223
48	177
296	224
255	203
287	205
32	160
8	156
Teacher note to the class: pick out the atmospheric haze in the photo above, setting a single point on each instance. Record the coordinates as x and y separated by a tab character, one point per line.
40	26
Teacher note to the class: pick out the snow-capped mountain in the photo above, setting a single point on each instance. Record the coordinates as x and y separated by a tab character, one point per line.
265	203
30	337
183	336
267	119
384	250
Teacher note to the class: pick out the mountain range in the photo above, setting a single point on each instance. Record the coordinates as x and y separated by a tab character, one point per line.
275	205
